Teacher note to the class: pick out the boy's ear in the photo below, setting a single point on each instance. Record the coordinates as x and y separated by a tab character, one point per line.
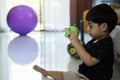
104	26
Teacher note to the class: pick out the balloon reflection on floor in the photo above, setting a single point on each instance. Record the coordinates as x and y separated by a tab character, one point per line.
23	50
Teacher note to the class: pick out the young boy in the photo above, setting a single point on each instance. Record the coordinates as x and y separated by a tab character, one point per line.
97	56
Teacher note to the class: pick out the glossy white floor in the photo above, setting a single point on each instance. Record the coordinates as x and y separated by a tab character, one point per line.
18	54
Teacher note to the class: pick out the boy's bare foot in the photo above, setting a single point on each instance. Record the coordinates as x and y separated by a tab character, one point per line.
41	70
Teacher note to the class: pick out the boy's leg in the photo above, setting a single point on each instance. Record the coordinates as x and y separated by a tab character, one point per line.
57	75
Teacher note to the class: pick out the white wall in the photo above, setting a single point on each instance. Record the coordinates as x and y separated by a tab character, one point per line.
3	13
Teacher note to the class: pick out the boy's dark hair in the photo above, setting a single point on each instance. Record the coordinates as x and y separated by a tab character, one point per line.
103	13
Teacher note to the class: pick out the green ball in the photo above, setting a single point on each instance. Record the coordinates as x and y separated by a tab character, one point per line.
73	28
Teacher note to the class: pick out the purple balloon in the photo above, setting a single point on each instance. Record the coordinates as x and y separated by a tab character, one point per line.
22	19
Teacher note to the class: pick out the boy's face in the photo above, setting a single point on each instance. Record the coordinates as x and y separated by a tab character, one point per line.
95	30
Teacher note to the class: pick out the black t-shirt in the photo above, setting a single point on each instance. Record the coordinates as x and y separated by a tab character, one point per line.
102	50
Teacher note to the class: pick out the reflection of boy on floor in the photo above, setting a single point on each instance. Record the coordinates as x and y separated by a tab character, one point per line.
97	56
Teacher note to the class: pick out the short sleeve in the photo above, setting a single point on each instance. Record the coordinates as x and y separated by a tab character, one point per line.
102	49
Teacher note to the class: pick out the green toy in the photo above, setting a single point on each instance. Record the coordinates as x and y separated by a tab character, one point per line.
72	51
73	28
